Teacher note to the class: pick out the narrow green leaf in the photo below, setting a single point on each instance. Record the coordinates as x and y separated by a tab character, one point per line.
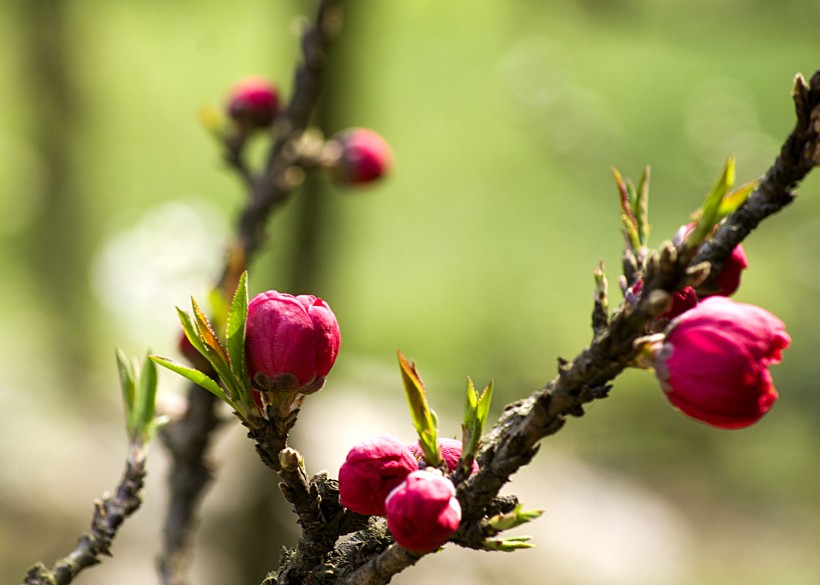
708	214
736	198
128	385
509	544
641	207
628	221
193	375
147	396
423	418
483	409
214	351
235	338
191	332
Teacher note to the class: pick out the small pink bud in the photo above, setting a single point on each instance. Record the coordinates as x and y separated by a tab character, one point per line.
728	280
371	470
365	156
423	512
713	364
682	300
253	103
293	341
450	452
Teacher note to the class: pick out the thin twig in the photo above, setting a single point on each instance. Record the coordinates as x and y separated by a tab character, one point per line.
109	514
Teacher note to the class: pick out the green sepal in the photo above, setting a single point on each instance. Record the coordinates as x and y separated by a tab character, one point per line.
235	339
735	198
193	375
424	419
509	544
708	215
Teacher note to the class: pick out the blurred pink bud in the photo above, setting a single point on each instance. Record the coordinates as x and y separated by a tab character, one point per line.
365	156
682	300
450	452
423	512
253	103
713	364
728	280
293	341
371	470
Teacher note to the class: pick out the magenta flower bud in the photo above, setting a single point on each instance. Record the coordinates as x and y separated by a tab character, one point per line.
291	342
253	103
371	470
728	280
450	452
682	300
423	512
713	364
365	156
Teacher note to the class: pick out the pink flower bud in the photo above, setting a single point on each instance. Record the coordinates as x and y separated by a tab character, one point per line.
728	280
450	452
253	103
365	156
713	364
423	512
371	470
293	341
682	300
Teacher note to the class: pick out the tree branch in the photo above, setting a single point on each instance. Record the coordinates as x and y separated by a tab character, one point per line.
109	514
513	441
188	439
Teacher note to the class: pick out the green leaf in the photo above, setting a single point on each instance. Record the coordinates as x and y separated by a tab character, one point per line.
147	396
640	207
708	215
628	220
424	419
235	338
128	385
191	332
509	544
193	375
736	198
511	519
214	352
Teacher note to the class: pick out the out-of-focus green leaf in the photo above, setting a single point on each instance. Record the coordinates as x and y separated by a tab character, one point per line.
424	420
708	215
128	385
193	375
735	198
640	207
509	544
144	414
628	221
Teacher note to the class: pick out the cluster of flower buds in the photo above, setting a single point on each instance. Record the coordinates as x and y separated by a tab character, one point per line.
713	362
382	477
355	156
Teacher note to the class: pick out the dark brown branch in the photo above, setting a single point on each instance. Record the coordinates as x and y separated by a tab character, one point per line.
513	442
188	439
109	514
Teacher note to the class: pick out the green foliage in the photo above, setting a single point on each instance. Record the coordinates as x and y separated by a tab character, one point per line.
230	366
424	419
476	411
139	391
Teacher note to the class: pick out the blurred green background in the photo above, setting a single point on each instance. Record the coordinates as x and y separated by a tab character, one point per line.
475	258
